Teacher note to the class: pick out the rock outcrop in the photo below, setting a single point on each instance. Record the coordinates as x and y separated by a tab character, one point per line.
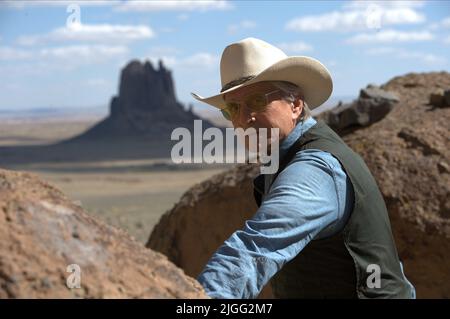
42	233
440	98
407	152
145	108
372	105
141	120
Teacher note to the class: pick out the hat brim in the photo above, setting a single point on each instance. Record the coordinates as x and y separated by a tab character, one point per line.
311	76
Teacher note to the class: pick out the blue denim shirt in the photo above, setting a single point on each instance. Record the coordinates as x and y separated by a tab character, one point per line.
311	198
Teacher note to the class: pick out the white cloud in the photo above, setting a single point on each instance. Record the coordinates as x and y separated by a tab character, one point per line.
21	4
425	57
84	52
295	47
187	5
69	56
359	4
399	53
245	24
386	36
197	60
99	33
37	62
361	15
444	23
201	59
9	54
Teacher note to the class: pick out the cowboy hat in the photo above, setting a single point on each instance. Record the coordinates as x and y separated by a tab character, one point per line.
252	60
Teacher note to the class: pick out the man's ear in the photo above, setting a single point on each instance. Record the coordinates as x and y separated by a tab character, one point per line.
297	108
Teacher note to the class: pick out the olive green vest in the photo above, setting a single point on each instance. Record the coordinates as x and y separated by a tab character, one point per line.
344	265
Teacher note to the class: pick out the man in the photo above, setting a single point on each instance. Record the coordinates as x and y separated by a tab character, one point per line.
322	229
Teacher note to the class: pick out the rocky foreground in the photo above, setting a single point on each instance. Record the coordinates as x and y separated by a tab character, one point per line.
408	152
43	234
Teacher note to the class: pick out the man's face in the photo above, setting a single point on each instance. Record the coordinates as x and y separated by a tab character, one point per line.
278	113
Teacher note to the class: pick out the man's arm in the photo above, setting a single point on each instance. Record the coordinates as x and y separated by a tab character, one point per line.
305	200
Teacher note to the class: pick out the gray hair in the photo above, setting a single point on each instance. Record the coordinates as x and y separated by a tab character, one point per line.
292	92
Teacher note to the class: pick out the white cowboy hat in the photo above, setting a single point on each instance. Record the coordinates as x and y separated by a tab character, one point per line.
252	60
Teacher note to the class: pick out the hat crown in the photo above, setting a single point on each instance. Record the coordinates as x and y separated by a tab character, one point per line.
247	58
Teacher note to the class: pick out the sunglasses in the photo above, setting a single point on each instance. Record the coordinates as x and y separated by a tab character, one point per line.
255	102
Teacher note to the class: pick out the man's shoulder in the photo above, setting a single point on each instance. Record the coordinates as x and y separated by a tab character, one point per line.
318	157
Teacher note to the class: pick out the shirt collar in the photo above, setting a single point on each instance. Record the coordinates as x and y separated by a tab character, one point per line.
295	134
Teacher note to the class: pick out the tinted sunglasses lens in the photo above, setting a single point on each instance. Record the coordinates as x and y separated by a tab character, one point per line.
226	114
257	102
232	110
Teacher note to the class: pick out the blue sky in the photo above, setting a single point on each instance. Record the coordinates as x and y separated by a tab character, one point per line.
50	58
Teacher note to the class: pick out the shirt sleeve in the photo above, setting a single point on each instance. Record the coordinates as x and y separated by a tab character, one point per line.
302	201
